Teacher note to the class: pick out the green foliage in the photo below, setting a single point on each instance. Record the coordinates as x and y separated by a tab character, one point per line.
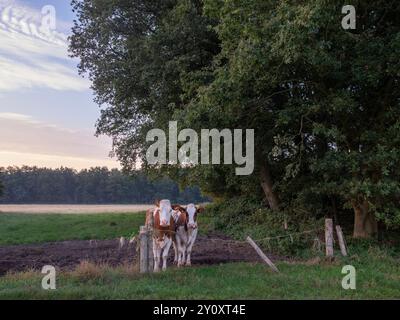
389	246
95	185
41	228
146	59
329	98
242	217
323	101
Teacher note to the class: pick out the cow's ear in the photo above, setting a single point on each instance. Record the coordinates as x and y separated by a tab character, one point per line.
157	202
200	209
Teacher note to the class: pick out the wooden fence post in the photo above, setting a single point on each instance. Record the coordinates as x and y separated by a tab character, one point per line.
150	256
262	255
317	244
146	261
143	251
342	242
329	237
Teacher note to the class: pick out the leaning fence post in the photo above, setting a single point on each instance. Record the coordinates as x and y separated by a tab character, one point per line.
262	254
329	237
342	242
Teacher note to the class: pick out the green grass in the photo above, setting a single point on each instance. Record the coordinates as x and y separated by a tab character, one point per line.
378	269
377	278
39	228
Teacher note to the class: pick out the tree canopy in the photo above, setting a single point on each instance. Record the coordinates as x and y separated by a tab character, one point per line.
323	101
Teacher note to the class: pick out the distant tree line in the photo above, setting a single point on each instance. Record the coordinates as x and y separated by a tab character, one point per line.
19	185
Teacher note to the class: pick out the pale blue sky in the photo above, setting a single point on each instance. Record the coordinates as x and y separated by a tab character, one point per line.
47	114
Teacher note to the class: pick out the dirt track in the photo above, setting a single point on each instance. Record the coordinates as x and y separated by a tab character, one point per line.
212	249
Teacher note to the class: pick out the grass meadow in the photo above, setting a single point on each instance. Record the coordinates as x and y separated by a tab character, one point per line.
38	228
377	277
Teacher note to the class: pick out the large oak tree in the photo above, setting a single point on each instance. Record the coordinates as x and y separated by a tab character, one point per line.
324	101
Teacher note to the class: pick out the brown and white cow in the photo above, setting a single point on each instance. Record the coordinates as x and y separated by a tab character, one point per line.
181	235
186	232
163	232
192	229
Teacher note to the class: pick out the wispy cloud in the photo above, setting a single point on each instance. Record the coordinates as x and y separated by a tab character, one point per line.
32	55
15	116
15	75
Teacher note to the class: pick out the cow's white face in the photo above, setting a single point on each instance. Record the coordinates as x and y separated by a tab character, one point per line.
192	210
165	213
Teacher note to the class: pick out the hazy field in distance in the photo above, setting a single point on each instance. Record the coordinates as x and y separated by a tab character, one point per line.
72	209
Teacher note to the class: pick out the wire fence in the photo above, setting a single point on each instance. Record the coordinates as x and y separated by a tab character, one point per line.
134	238
289	235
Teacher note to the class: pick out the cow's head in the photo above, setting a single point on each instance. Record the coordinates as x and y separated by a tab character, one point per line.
192	211
165	210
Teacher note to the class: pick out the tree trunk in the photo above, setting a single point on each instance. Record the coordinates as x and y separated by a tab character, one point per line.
365	225
266	183
335	213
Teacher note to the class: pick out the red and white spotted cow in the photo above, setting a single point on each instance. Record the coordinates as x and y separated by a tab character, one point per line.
163	233
186	232
181	235
192	229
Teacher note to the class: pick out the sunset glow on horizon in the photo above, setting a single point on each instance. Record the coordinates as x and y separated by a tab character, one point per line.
47	113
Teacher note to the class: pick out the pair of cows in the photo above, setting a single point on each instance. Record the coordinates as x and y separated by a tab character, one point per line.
172	225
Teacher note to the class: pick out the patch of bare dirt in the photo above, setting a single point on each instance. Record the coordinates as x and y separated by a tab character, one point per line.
66	255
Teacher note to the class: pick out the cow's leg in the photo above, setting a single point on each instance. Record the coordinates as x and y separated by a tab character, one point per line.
175	251
181	246
165	253
178	250
192	239
156	255
181	249
184	245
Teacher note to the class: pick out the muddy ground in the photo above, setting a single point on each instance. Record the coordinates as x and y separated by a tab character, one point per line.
66	255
